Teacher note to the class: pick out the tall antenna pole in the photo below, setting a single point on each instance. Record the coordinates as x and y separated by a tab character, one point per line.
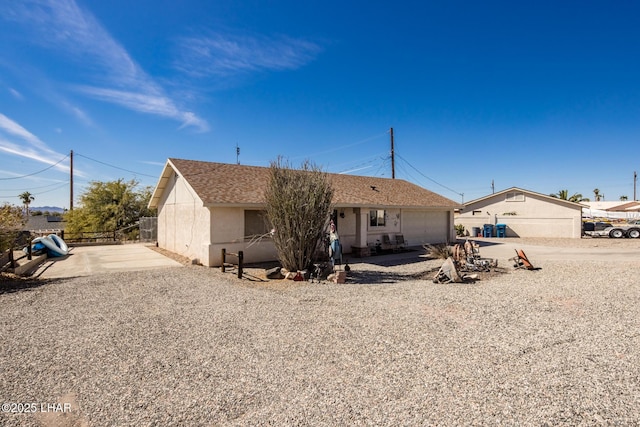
393	157
493	187
237	154
635	180
71	181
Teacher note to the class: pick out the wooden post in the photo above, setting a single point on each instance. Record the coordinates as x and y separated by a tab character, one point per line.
240	262
224	252
71	180
393	157
29	252
11	260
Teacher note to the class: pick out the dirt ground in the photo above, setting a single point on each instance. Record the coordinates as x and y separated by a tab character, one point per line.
585	242
390	265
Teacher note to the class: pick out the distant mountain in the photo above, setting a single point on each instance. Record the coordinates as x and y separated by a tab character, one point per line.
46	208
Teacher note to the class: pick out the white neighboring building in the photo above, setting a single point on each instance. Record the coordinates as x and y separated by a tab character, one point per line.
525	214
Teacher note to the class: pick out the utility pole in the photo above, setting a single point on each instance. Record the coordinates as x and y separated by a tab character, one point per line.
635	180
237	154
393	157
71	181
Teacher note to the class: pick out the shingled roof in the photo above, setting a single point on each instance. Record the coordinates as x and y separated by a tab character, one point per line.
223	184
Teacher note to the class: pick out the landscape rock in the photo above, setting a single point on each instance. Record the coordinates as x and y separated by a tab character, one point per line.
274	273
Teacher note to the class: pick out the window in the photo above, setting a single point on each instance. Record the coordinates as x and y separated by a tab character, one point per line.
377	217
515	196
255	223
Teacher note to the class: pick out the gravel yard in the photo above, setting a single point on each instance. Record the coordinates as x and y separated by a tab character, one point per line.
194	346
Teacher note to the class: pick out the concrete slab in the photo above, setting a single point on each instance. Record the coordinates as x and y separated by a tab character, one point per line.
502	249
90	260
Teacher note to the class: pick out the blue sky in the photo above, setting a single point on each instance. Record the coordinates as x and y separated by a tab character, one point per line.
541	95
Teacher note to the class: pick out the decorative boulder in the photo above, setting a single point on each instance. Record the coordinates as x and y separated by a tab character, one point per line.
275	273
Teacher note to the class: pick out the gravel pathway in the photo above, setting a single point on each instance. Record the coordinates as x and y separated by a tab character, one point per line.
193	346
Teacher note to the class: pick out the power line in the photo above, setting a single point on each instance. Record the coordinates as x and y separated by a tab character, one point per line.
35	173
64	184
375	158
59	185
331	150
32	188
380	172
115	167
430	179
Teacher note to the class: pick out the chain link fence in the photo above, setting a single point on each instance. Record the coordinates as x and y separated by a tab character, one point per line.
148	229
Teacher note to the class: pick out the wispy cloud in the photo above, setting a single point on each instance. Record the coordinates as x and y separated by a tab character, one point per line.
63	25
17	95
12	128
38	82
146	103
28	145
227	54
152	163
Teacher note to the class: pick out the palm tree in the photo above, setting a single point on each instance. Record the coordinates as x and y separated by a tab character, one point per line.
597	195
564	195
26	198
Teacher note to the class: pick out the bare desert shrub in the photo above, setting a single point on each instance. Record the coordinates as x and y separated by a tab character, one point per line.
438	251
298	205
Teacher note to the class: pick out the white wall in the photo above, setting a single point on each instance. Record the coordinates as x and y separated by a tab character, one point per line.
227	231
393	226
347	228
534	217
183	223
188	228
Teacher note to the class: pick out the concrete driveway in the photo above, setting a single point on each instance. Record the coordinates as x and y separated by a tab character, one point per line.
89	260
506	248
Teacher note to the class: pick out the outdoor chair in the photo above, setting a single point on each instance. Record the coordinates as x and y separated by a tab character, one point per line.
521	260
400	242
387	244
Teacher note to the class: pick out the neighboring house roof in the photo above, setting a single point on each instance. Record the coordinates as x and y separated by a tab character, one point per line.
44	222
533	193
614	206
223	184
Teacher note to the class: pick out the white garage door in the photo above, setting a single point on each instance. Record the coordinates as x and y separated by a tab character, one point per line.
421	227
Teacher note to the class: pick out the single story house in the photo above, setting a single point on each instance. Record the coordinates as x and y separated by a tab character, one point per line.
204	207
45	224
525	214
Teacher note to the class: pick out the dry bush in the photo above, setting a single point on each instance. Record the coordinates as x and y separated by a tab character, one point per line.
438	251
11	222
298	205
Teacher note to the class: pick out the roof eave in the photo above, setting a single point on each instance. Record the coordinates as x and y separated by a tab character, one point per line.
161	185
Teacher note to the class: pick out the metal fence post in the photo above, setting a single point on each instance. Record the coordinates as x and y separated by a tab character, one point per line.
223	250
240	262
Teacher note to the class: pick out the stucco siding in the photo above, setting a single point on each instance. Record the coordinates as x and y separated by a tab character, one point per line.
540	227
183	223
228	232
347	229
392	226
534	216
